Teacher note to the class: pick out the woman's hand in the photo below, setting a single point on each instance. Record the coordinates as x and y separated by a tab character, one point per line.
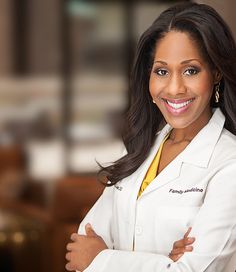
182	246
83	249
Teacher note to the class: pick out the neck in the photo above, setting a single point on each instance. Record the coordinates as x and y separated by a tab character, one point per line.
186	134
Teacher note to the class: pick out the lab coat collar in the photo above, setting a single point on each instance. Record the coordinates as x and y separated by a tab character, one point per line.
198	152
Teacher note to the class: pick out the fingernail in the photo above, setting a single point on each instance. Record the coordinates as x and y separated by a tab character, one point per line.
189	248
191	239
88	225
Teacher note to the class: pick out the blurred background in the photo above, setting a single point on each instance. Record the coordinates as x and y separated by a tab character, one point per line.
64	80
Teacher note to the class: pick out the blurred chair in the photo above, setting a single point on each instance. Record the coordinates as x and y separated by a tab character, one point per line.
49	224
12	171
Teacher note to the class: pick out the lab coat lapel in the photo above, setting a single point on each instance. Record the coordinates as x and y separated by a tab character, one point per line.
141	172
198	152
202	146
170	173
132	183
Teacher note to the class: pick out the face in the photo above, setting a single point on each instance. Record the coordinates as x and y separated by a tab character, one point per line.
181	81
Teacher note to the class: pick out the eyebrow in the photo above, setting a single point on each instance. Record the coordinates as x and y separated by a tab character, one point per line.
183	62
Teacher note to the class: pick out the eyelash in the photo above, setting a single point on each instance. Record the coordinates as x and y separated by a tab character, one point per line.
194	69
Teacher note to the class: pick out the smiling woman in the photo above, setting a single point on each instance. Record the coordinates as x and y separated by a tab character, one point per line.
177	177
182	82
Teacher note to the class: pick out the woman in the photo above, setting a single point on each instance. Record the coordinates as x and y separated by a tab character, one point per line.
180	166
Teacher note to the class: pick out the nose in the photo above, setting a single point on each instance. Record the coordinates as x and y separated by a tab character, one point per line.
176	85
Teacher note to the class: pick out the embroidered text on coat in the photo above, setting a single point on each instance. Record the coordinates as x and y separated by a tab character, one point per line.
194	190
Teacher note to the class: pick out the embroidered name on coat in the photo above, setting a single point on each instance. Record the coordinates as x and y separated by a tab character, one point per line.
192	190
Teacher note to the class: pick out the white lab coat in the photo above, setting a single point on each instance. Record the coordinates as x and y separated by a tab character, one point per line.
198	189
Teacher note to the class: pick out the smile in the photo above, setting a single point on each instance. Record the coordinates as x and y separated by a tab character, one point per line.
177	106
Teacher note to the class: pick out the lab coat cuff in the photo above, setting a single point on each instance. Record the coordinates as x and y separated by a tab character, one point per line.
98	263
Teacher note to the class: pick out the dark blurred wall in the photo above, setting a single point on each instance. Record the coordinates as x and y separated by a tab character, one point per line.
6	38
226	9
30	35
43	37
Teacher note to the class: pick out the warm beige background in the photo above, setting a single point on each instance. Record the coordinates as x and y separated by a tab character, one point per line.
226	9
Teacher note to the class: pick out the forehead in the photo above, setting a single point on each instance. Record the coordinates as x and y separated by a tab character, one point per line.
176	47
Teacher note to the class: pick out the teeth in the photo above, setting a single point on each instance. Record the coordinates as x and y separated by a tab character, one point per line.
179	105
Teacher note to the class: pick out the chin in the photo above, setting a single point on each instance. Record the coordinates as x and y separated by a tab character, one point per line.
179	124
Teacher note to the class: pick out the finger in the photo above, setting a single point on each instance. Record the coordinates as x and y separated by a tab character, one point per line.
68	256
89	230
179	244
182	250
187	233
189	240
183	242
175	258
74	237
70	246
70	267
177	251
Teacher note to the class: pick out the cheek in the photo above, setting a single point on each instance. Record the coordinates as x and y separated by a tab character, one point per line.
205	90
204	85
155	87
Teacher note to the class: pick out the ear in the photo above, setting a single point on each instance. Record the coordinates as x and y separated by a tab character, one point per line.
217	76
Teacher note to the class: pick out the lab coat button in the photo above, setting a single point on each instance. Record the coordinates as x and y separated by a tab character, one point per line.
169	265
138	230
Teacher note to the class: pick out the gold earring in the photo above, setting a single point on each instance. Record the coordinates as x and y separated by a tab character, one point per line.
217	93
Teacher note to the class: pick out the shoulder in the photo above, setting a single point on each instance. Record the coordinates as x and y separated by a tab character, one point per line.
228	136
226	145
228	140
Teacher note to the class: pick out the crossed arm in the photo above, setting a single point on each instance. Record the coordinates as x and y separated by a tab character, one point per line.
84	248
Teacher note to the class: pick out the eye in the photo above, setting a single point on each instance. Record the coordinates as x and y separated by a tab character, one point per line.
161	72
191	71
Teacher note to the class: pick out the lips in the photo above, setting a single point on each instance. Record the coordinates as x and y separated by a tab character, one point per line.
177	106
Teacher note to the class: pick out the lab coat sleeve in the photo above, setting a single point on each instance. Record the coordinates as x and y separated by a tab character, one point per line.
100	217
213	228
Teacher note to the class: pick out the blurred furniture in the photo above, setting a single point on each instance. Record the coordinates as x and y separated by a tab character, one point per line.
11	170
10	156
44	227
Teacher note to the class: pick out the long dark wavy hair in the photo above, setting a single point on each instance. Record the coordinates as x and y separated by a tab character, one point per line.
143	118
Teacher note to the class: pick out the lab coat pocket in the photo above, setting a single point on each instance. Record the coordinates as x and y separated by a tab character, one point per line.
172	222
180	212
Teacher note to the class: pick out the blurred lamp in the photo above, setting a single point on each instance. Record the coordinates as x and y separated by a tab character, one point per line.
81	9
46	160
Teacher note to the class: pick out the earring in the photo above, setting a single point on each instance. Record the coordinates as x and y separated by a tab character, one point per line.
217	93
153	101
